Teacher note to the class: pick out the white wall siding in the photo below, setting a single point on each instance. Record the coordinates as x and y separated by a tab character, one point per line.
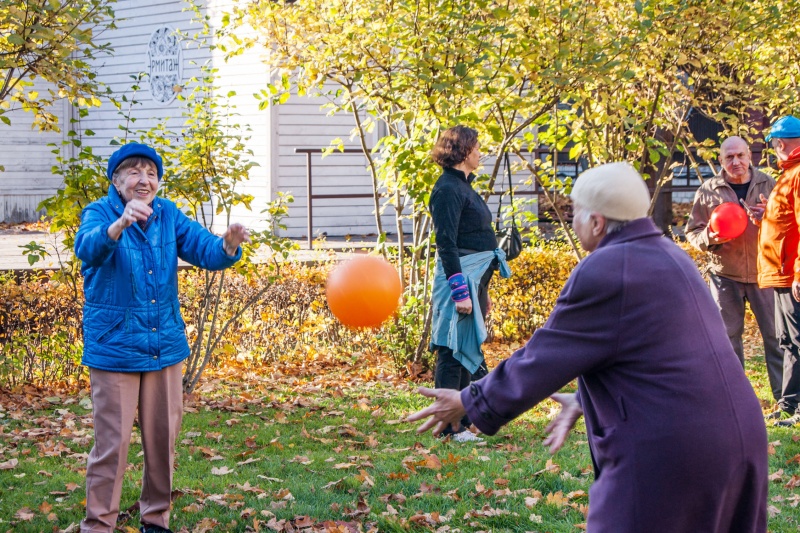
28	160
247	75
136	20
303	124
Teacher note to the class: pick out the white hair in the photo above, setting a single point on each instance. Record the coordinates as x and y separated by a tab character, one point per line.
612	225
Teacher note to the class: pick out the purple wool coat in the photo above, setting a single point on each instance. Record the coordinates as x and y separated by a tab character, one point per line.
675	430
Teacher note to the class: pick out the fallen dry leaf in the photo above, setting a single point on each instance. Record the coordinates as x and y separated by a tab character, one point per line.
431	519
425	488
432	462
558	499
8	465
795	459
333	484
549	466
303	521
452	459
399	498
283	494
205	525
362	509
486	511
365	479
24	514
249	488
273	479
453	495
390	511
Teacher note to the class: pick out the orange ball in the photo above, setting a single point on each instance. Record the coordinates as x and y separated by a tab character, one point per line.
363	292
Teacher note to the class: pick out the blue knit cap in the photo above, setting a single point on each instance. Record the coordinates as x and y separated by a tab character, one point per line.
787	127
134	150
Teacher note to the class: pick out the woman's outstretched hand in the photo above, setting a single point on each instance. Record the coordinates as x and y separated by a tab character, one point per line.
235	235
447	410
135	211
562	424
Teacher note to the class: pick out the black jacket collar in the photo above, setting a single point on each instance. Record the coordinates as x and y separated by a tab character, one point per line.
459	174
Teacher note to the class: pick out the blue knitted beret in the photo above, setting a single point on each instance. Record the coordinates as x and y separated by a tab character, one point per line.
134	150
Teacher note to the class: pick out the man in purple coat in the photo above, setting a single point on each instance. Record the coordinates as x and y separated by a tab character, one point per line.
675	430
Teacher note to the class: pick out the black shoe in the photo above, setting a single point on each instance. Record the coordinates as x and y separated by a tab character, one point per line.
778	414
788	422
154	529
448	431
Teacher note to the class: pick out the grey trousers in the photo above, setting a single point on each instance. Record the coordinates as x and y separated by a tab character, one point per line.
787	322
730	297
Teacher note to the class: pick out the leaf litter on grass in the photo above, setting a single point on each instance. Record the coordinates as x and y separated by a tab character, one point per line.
320	445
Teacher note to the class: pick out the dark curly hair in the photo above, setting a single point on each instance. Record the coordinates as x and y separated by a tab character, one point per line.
453	146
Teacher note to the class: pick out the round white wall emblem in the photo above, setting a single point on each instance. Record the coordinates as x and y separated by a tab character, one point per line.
164	64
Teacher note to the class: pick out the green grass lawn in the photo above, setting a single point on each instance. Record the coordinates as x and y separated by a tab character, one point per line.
314	451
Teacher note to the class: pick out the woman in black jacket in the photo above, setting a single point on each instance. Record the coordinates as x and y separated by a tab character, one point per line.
462	224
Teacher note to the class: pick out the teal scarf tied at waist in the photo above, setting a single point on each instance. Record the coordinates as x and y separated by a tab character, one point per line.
463	334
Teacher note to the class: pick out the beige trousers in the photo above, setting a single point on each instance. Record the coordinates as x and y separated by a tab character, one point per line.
115	397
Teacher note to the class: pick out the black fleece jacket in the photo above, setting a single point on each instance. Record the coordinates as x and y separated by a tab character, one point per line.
461	219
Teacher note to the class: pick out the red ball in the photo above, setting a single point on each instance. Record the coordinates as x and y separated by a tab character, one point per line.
728	220
363	292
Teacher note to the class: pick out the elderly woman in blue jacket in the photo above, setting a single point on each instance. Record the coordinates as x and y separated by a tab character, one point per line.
134	339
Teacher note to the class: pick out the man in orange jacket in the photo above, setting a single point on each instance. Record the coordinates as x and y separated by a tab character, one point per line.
779	261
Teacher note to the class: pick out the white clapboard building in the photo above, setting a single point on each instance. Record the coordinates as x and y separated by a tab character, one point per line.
144	41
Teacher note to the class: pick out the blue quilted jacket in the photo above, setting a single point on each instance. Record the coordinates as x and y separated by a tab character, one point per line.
131	317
